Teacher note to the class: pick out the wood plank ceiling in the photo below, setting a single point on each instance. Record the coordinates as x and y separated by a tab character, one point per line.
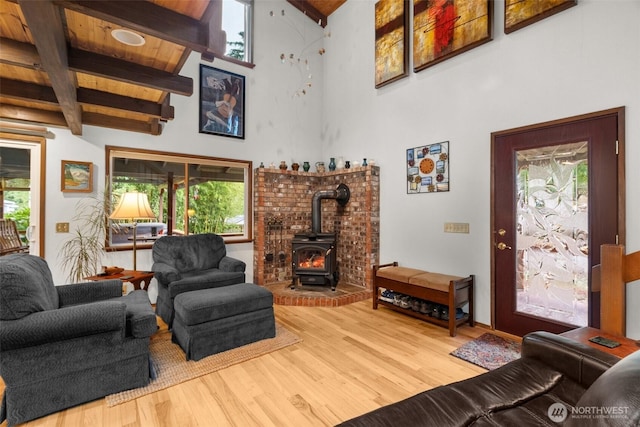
60	65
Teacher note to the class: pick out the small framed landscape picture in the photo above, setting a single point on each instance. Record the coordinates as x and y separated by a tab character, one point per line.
221	102
76	177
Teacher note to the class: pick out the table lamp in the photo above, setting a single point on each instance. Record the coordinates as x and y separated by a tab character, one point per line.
133	206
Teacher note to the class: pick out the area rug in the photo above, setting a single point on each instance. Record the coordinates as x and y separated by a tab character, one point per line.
489	351
172	368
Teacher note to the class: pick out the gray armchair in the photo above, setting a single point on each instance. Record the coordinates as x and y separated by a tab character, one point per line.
190	263
61	346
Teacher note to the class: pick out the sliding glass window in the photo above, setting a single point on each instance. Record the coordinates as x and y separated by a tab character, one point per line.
188	195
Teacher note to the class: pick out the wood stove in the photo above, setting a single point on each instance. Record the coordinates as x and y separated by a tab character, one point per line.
313	257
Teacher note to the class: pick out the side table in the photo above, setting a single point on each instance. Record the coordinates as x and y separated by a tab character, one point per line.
139	279
626	347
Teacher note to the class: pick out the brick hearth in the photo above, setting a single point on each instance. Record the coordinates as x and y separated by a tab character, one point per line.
315	296
285	197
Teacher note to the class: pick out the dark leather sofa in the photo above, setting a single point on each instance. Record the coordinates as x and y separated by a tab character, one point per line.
556	382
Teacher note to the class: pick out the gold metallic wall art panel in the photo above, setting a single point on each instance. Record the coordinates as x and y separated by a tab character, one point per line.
392	53
520	13
445	28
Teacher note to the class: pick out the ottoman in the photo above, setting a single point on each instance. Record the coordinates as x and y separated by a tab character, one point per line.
210	321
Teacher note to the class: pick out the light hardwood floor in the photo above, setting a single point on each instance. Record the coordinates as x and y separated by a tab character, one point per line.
352	360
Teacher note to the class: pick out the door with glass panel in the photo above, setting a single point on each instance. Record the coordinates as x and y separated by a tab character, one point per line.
555	201
21	189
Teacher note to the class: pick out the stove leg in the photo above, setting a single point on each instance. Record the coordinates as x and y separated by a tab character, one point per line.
332	282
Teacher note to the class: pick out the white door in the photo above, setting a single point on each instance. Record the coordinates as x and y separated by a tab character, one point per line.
20	173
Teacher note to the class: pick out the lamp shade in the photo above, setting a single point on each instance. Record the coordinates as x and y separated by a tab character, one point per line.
133	206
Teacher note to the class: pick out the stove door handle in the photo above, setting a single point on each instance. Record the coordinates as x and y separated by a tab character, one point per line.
328	252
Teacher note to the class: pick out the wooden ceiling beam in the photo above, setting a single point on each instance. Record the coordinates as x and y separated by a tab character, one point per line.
15	89
19	54
95	119
155	21
45	24
32	115
26	55
313	13
127	72
125	103
167	110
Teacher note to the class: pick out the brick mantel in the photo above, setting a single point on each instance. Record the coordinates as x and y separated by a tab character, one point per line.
285	197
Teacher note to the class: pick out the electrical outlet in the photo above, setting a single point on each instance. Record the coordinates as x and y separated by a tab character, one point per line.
456	227
62	227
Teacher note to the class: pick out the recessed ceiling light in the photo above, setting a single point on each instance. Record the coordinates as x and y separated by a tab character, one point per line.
127	37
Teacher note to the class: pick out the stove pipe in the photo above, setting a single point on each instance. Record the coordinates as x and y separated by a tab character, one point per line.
341	194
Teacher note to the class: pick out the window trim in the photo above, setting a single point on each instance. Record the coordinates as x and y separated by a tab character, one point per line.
248	35
112	151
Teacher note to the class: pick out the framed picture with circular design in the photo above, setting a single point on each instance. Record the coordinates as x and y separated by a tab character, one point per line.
428	168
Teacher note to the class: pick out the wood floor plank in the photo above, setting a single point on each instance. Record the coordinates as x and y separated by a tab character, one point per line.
352	360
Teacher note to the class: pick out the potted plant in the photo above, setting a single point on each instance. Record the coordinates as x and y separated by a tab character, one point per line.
82	253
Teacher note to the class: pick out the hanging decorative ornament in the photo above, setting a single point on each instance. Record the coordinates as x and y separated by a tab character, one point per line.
300	60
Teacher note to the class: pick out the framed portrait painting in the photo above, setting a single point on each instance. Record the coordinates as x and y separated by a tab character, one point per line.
520	13
392	44
445	28
76	177
221	102
428	168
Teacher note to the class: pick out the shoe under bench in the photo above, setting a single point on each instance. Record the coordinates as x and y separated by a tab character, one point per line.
451	291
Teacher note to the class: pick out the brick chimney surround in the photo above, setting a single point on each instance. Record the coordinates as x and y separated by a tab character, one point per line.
284	197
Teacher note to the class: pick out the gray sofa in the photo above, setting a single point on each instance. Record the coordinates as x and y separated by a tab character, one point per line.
190	263
61	346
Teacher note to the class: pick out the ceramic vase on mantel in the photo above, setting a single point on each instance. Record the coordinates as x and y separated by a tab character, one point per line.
340	163
332	164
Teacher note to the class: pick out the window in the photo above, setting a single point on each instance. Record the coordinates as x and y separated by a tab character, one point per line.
188	194
237	22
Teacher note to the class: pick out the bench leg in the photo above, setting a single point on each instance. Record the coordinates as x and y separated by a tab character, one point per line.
375	294
452	309
470	300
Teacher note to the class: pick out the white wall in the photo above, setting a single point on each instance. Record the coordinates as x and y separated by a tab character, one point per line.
582	60
279	125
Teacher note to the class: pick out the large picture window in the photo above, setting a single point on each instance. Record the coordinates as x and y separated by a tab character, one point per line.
188	194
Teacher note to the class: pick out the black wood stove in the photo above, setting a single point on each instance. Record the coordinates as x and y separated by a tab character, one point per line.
313	257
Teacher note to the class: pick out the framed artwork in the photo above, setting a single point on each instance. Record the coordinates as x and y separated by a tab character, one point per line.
221	102
392	43
76	177
520	13
445	28
428	168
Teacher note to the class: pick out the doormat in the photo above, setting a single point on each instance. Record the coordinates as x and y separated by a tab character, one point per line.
489	351
172	368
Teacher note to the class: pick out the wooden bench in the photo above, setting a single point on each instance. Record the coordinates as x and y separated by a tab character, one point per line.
610	278
451	291
10	242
